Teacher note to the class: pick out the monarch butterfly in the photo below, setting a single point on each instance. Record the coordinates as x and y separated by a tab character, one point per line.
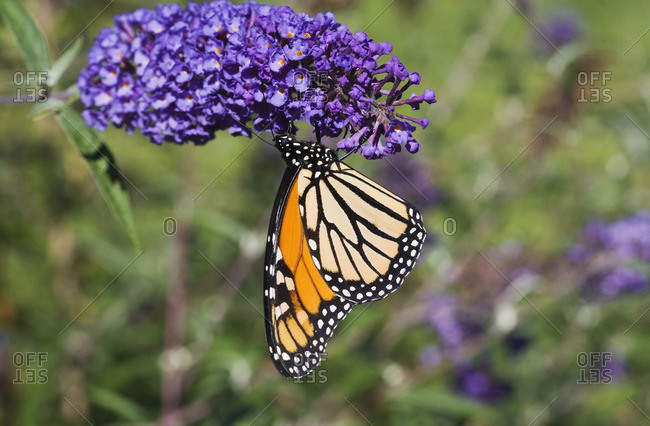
336	239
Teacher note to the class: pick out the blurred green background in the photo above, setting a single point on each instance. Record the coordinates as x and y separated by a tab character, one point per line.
492	327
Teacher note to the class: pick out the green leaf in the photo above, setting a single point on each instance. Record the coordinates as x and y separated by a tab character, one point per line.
64	61
443	402
108	178
43	109
111	401
31	42
53	105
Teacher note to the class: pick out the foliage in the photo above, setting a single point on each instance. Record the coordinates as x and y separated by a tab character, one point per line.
509	317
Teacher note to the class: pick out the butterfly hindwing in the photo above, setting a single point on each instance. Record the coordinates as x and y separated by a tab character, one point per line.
363	238
301	311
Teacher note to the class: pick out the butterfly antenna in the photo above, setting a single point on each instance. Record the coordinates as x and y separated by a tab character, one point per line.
347	154
257	135
318	135
291	129
345	135
251	131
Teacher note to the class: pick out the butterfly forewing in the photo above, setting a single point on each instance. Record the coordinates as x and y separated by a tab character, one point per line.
363	238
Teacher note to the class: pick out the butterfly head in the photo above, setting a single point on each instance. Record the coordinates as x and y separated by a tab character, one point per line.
304	154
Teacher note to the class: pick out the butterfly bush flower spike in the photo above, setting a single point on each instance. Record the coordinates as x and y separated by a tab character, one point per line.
180	75
615	256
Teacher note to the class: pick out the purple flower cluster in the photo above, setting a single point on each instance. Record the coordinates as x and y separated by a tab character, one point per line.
616	255
182	74
470	334
411	178
480	383
562	27
462	332
458	330
559	29
455	326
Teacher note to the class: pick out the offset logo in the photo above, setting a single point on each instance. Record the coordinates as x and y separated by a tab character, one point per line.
594	368
25	90
593	87
30	368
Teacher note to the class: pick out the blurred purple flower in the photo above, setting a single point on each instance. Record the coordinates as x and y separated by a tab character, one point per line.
558	29
615	368
623	280
578	254
191	72
431	356
478	382
616	282
613	255
629	238
410	177
454	325
516	342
